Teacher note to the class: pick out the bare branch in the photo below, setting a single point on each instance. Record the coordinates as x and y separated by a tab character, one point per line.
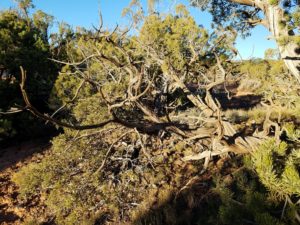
110	149
35	112
14	111
144	148
74	63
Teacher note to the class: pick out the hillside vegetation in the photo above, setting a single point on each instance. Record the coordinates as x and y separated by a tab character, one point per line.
161	126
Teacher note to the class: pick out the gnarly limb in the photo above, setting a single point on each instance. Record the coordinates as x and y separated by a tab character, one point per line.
38	114
196	101
147	128
257	22
220	80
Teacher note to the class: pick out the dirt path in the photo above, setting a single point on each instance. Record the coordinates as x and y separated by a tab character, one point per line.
12	210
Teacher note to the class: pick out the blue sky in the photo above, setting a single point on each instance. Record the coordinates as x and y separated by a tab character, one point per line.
85	13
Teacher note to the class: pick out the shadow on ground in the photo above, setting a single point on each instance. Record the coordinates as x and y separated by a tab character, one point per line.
18	152
234	196
11	159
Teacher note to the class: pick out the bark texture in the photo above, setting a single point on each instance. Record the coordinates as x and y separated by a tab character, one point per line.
288	51
274	16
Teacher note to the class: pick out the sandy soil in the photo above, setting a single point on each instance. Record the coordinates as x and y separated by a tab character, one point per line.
12	209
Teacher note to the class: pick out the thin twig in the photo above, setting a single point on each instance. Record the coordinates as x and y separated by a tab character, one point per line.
144	149
12	111
109	151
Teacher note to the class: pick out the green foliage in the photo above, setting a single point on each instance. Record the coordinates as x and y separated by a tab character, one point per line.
296	17
237	116
274	2
24	42
6	129
110	175
28	180
175	37
82	99
260	70
42	22
85	192
270	79
292	131
25	4
58	175
281	178
240	198
235	198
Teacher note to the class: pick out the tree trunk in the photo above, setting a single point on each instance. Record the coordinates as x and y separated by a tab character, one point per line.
289	53
274	15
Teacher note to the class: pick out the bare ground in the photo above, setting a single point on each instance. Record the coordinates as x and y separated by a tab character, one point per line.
12	209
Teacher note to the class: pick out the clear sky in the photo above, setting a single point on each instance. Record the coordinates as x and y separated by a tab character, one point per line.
85	13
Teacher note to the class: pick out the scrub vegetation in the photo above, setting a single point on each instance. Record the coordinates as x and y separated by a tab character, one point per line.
165	125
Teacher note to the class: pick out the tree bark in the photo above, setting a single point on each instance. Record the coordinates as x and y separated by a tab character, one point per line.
274	15
289	54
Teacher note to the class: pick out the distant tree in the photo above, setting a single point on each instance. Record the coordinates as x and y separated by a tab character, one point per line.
60	40
272	53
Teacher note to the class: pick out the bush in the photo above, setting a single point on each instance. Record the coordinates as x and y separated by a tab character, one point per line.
281	177
24	42
85	192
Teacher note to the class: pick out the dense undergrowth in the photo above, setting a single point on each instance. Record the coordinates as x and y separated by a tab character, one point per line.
238	190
